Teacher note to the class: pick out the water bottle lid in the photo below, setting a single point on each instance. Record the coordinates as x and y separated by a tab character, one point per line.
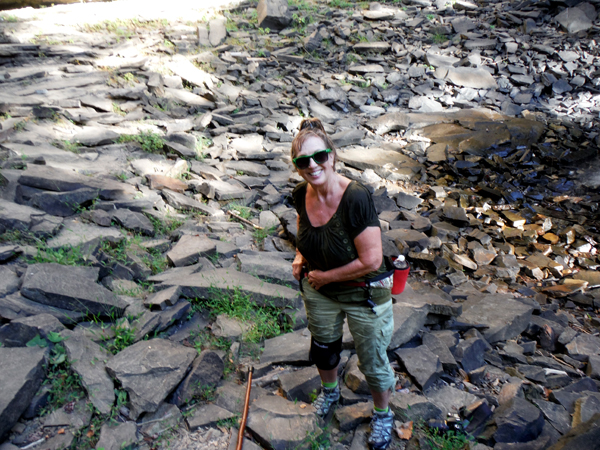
400	258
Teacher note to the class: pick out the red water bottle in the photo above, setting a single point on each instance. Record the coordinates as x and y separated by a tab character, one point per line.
401	270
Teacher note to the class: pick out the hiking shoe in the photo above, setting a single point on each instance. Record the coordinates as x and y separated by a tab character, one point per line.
327	398
381	430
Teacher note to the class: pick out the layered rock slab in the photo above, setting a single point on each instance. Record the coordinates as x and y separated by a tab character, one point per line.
149	371
504	317
278	424
21	375
70	288
222	281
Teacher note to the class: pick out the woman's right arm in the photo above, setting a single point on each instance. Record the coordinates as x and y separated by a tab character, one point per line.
299	260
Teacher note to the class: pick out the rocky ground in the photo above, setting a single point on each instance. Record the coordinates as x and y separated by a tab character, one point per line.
147	231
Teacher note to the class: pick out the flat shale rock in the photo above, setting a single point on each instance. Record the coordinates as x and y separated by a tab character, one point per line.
574	20
517	421
278	424
351	416
449	399
207	282
290	348
410	406
20	331
208	415
189	249
273	14
70	288
471	77
88	360
117	437
21	374
585	435
505	318
268	266
74	233
408	321
422	364
149	371
300	384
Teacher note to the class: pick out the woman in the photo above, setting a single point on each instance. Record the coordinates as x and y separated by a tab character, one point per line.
339	250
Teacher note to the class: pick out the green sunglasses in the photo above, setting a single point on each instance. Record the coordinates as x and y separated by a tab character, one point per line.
320	157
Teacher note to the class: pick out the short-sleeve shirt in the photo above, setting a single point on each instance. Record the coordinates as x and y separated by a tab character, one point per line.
332	244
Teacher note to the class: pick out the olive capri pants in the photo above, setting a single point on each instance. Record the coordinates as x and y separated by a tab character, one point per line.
371	332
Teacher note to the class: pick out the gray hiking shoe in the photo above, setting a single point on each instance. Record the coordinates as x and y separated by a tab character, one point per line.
381	430
327	398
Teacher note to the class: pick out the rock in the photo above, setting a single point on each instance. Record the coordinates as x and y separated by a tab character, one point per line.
449	399
574	20
149	370
164	419
159	182
117	437
133	221
93	136
440	349
278	424
585	435
181	202
517	421
585	408
470	77
21	374
583	346
231	396
300	384
88	360
83	236
290	348
411	406
557	415
217	33
207	415
221	281
423	365
506	318
189	249
71	288
354	378
267	266
273	14
351	416
20	331
229	328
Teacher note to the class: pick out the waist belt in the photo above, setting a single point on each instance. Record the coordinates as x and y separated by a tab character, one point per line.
368	282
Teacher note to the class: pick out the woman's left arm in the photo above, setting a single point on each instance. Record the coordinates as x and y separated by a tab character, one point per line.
370	254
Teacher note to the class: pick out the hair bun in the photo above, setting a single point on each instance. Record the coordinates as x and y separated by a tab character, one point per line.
311	123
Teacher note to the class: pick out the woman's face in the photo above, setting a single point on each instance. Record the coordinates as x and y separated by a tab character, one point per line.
316	174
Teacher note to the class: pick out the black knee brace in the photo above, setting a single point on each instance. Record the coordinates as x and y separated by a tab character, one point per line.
325	356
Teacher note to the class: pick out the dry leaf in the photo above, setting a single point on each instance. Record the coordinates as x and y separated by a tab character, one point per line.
61	431
303	405
405	430
90	433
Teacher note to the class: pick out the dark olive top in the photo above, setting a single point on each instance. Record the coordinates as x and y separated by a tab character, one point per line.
332	245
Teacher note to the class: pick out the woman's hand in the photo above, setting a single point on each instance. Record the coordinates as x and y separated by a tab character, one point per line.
317	278
297	265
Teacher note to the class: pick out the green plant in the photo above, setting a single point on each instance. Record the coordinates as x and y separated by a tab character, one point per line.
430	17
69	146
165	226
9	18
67	256
439	38
263	31
204	339
263	320
231	25
229	423
261	234
244	212
65	385
343	4
150	142
20	126
124	336
450	440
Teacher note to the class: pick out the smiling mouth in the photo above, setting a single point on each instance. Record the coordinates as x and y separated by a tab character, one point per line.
314	173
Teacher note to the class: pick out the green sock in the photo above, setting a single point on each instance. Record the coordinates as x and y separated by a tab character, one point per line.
329	385
381	410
